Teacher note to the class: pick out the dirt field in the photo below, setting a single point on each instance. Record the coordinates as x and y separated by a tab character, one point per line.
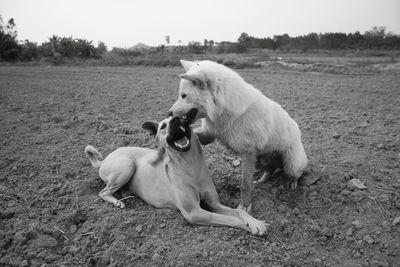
51	213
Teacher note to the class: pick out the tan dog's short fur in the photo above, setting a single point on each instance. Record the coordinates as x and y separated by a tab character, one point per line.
170	178
242	118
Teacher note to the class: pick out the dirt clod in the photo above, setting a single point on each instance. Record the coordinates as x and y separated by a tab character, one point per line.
45	241
396	221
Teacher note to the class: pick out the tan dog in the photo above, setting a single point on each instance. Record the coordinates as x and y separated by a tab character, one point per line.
242	118
176	176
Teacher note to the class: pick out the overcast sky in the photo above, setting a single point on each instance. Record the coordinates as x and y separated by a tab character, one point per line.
124	23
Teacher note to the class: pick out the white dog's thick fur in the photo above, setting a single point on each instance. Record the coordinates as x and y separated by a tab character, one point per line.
242	118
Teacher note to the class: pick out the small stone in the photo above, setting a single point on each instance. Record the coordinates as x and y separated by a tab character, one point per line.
368	239
205	254
383	198
45	241
236	163
356	184
396	221
281	208
318	261
162	225
73	229
197	254
314	227
345	192
51	258
20	238
397	204
380	146
356	196
296	211
348	176
325	231
6	214
357	224
349	231
73	250
336	136
139	228
157	258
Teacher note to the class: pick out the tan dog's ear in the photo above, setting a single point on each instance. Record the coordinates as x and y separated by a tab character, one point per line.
197	79
186	64
151	127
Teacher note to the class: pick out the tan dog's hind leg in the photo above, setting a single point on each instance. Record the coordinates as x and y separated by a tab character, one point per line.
112	186
247	185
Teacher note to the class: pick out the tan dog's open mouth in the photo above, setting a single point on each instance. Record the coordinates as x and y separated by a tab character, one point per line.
182	143
179	135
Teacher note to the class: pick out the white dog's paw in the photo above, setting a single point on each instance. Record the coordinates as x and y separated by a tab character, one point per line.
293	184
119	204
245	208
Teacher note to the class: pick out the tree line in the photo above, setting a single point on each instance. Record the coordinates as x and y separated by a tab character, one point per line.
57	47
12	49
376	38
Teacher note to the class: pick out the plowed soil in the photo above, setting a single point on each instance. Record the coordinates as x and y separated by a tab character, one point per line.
51	214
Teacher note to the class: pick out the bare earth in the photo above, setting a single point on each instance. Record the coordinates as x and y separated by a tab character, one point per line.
51	213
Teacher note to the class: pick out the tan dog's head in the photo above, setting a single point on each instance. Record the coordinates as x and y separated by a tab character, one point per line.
172	132
194	93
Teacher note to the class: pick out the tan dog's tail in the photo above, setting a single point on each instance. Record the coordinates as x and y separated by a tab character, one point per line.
94	156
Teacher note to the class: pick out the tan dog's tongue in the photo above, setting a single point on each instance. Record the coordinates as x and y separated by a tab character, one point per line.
182	142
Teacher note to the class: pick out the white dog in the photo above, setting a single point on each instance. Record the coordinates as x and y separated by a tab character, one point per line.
242	118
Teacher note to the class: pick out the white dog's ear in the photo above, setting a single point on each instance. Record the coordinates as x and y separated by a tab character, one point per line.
186	64
151	127
197	80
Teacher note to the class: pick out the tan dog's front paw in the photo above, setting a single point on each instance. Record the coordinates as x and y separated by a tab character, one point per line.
258	227
119	204
245	208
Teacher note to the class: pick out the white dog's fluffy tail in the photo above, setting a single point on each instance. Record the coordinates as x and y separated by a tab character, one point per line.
94	156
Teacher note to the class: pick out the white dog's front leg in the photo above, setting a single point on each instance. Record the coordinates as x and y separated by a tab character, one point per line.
247	185
204	134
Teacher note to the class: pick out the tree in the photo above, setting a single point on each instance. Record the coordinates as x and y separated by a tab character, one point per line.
9	48
101	48
167	39
244	38
194	47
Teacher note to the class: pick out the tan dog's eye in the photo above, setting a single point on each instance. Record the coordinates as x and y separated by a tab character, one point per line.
183	95
163	126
